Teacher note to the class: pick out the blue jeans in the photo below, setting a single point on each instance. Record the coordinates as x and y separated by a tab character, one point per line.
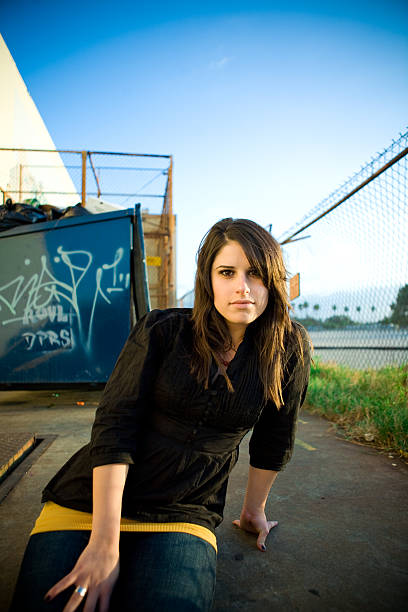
158	571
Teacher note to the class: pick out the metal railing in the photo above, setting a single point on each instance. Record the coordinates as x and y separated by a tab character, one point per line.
101	181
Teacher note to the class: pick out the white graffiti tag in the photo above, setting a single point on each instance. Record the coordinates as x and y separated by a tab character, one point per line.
49	339
42	296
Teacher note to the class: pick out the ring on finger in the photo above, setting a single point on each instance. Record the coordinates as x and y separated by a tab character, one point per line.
81	591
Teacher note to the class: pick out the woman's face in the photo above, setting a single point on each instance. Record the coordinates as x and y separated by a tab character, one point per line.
239	293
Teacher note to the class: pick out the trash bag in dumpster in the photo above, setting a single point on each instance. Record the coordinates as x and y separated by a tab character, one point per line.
52	212
75	211
12	215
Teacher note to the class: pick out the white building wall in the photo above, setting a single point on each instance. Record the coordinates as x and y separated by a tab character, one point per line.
21	126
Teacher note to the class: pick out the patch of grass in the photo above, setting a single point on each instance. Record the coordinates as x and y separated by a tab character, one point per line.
370	405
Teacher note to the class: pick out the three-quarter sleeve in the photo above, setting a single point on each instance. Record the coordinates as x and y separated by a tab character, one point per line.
273	436
124	404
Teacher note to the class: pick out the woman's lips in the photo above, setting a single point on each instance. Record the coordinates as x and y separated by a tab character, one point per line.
242	303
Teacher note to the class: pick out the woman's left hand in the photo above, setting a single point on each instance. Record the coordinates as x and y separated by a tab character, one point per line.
256	522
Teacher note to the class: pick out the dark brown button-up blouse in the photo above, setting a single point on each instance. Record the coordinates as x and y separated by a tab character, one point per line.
180	439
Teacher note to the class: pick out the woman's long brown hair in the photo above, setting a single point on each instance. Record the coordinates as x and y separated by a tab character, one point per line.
211	333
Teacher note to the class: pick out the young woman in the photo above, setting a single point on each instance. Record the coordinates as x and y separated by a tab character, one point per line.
149	489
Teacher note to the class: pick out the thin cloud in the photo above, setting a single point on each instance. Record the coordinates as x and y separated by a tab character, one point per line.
221	63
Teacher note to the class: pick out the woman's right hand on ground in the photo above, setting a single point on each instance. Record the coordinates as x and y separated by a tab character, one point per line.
96	570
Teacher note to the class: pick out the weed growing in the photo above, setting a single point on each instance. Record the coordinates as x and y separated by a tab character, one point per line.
371	406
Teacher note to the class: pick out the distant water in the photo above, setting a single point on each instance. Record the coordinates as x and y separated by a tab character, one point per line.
361	347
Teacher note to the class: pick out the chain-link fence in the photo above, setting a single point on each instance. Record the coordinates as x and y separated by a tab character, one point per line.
352	254
186	300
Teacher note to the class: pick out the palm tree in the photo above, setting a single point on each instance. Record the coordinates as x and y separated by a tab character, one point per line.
334	307
346	309
358	308
306	306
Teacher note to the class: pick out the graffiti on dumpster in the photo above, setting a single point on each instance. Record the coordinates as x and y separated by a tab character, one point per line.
52	299
49	339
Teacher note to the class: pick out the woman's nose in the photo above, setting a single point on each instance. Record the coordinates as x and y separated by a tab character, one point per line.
242	285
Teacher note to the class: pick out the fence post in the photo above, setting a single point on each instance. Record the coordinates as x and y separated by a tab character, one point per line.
20	183
84	154
172	262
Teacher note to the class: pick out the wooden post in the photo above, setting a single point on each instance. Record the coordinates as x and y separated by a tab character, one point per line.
84	154
20	183
172	252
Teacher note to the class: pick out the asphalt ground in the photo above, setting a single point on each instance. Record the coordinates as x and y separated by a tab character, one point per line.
342	539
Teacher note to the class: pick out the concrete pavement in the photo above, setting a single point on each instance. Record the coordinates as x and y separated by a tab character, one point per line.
342	539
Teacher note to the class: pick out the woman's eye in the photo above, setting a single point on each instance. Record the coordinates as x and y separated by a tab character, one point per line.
226	273
254	273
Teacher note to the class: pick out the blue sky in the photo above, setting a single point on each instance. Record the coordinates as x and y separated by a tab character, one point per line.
267	107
